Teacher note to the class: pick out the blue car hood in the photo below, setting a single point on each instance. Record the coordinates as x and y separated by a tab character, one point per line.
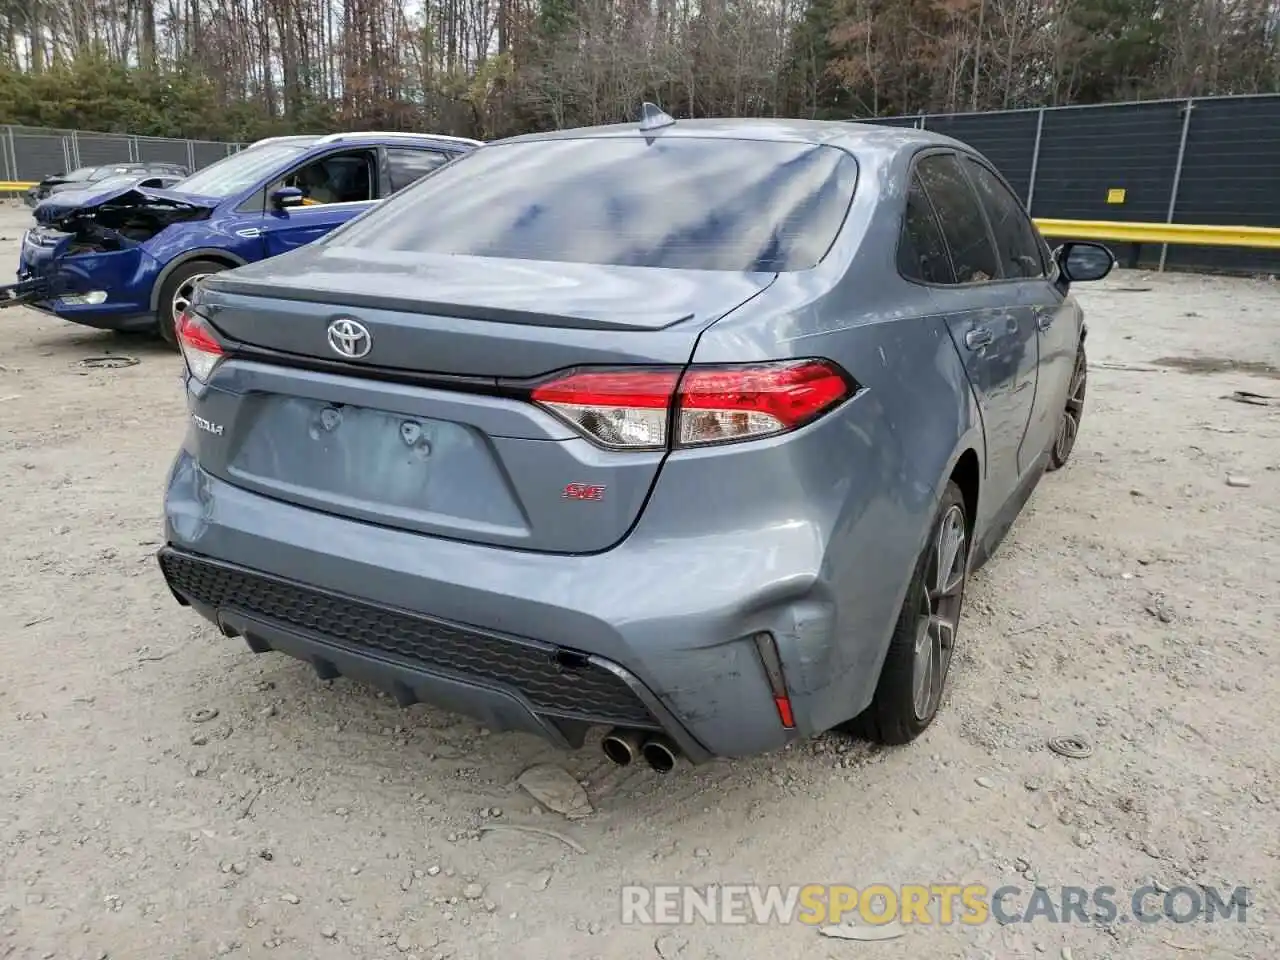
80	203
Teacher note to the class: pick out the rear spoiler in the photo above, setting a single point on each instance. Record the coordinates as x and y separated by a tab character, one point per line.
24	291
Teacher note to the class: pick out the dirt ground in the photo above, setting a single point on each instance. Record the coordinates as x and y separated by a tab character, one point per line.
1136	602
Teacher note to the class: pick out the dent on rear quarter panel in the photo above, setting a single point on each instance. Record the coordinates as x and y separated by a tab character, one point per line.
919	414
900	436
837	509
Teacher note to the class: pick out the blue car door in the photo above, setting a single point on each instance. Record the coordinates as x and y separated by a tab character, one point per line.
335	187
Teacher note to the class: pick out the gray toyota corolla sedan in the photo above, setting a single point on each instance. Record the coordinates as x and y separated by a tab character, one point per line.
692	430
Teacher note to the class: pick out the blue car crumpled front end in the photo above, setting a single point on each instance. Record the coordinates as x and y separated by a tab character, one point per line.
90	254
107	289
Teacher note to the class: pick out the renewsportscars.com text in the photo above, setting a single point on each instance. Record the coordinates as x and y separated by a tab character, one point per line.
935	904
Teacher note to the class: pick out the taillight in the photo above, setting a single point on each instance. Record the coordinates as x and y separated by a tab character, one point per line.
635	409
739	403
200	347
622	409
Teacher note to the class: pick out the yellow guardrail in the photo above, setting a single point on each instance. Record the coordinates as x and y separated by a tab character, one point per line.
1200	235
16	186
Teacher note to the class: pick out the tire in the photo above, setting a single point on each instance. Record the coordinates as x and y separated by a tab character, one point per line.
175	294
1064	441
902	707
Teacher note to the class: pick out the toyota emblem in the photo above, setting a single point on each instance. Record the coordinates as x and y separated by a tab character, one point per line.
349	338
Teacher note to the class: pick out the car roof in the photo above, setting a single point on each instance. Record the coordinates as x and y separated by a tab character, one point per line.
373	136
854	136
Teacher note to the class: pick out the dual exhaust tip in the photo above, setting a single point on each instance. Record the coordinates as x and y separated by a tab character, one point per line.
624	746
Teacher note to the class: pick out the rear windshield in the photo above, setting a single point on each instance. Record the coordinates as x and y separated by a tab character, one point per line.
685	203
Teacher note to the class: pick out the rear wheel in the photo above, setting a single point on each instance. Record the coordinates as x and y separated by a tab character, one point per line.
1069	424
176	294
920	651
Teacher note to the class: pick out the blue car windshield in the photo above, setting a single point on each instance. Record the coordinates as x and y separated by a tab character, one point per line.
676	202
240	171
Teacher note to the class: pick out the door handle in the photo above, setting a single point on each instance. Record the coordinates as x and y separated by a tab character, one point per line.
1044	319
978	338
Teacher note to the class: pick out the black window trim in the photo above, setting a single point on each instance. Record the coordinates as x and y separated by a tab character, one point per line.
959	155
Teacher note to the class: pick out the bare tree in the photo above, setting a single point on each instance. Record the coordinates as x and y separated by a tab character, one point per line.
495	67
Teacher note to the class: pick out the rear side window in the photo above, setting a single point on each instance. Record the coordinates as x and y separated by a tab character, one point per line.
1016	240
972	254
922	253
406	166
677	202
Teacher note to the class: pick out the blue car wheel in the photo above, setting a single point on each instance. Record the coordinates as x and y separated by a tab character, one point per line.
177	292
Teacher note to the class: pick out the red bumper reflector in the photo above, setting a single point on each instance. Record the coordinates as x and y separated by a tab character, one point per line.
767	648
784	711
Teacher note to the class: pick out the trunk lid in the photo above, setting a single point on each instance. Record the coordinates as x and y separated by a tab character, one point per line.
417	434
474	316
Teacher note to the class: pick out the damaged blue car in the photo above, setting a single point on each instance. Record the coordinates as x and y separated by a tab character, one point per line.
125	257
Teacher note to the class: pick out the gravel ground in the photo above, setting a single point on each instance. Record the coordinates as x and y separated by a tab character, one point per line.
1135	602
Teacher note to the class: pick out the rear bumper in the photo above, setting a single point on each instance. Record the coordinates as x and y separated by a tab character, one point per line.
508	683
656	633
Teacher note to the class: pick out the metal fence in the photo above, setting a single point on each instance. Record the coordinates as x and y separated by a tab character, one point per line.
1202	160
32	153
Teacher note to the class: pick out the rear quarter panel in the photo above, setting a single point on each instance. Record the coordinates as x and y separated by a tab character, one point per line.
869	483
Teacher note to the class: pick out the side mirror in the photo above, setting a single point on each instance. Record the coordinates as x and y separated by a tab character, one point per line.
286	197
1083	260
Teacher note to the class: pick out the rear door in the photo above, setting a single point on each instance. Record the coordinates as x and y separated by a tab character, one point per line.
1057	321
994	333
336	187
